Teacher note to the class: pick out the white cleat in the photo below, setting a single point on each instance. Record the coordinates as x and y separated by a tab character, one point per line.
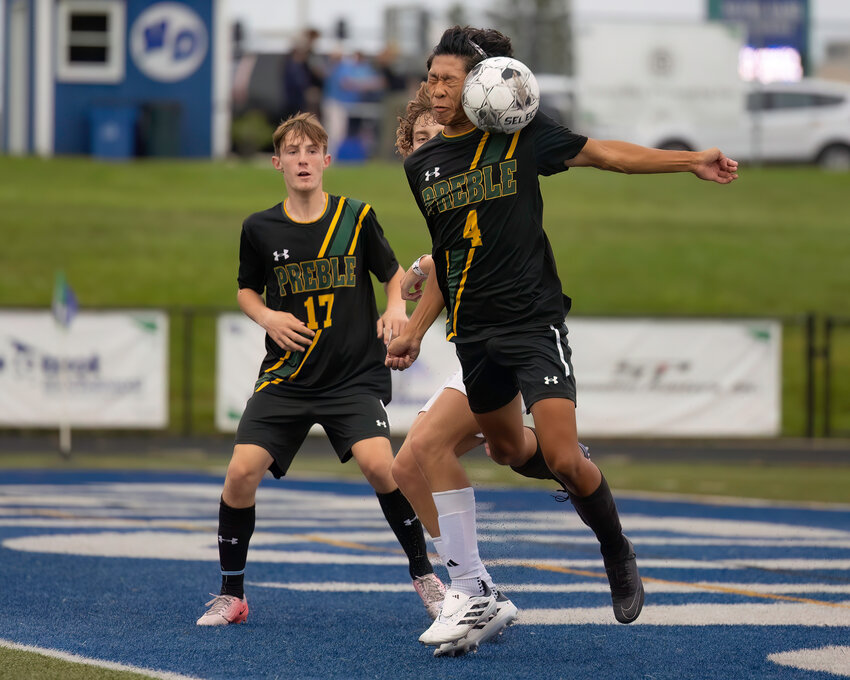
506	613
459	615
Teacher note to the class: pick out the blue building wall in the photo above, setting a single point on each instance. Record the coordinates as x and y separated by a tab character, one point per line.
75	101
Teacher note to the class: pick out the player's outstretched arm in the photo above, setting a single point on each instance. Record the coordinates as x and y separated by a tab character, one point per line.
288	331
403	351
413	282
393	321
617	156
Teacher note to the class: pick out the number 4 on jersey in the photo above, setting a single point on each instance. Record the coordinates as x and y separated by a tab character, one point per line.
470	229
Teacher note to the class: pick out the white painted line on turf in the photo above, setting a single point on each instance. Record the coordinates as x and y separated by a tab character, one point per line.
698	615
835	660
194	545
88	661
649	563
335	587
589	587
165	545
560	538
686	526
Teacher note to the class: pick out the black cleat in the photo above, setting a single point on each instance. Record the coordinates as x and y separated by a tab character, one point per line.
626	587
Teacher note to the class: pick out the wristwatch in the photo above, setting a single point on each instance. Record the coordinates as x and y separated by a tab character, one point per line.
417	269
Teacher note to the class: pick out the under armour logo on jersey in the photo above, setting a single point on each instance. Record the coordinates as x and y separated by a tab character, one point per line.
232	541
284	255
435	173
550	381
381	423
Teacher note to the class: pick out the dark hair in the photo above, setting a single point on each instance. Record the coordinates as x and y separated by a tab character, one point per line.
473	44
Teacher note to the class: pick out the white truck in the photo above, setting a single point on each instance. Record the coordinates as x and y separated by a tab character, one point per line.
677	86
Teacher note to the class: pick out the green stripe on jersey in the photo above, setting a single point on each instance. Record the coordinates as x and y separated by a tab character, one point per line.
283	372
345	228
493	150
455	261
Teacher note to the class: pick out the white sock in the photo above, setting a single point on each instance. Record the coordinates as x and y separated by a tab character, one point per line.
456	515
441	550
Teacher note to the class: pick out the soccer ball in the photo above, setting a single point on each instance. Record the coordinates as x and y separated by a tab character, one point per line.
500	94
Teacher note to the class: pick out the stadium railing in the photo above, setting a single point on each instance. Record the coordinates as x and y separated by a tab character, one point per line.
834	326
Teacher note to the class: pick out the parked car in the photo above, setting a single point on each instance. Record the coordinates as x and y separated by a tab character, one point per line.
807	121
802	122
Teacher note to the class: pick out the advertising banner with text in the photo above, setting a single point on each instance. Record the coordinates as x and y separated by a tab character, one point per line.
240	349
105	370
636	377
677	378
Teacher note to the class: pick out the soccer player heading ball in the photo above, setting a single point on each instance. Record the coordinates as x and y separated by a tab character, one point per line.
480	196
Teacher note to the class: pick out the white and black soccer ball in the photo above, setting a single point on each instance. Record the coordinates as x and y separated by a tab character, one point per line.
500	94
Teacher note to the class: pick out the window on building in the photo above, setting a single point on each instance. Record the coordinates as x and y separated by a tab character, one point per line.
90	41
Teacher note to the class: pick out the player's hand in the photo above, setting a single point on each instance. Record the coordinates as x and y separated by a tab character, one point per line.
402	352
288	331
713	166
392	323
412	285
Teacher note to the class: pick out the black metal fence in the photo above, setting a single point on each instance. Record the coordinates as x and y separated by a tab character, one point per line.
835	357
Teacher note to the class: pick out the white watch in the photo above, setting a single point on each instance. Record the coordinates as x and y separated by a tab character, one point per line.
417	269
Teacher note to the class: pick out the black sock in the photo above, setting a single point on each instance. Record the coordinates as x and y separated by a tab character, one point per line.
407	529
535	467
599	512
235	527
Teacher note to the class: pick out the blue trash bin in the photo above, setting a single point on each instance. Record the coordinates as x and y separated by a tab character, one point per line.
352	150
113	132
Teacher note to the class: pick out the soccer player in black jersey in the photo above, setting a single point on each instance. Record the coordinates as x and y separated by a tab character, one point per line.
480	196
312	256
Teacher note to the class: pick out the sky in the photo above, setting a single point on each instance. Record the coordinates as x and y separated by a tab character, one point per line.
269	21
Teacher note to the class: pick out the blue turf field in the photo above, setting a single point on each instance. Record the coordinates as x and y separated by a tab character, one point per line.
117	566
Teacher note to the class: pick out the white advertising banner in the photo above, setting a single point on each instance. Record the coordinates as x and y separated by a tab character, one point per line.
636	377
240	349
107	370
688	378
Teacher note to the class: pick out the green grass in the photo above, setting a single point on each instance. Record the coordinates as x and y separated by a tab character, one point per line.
753	478
17	665
775	243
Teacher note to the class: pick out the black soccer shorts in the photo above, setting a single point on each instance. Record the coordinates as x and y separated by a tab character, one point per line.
534	362
279	424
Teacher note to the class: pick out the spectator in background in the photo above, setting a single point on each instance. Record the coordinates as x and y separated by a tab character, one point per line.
302	77
397	91
351	83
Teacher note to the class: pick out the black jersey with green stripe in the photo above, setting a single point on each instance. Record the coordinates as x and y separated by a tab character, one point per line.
319	272
480	195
